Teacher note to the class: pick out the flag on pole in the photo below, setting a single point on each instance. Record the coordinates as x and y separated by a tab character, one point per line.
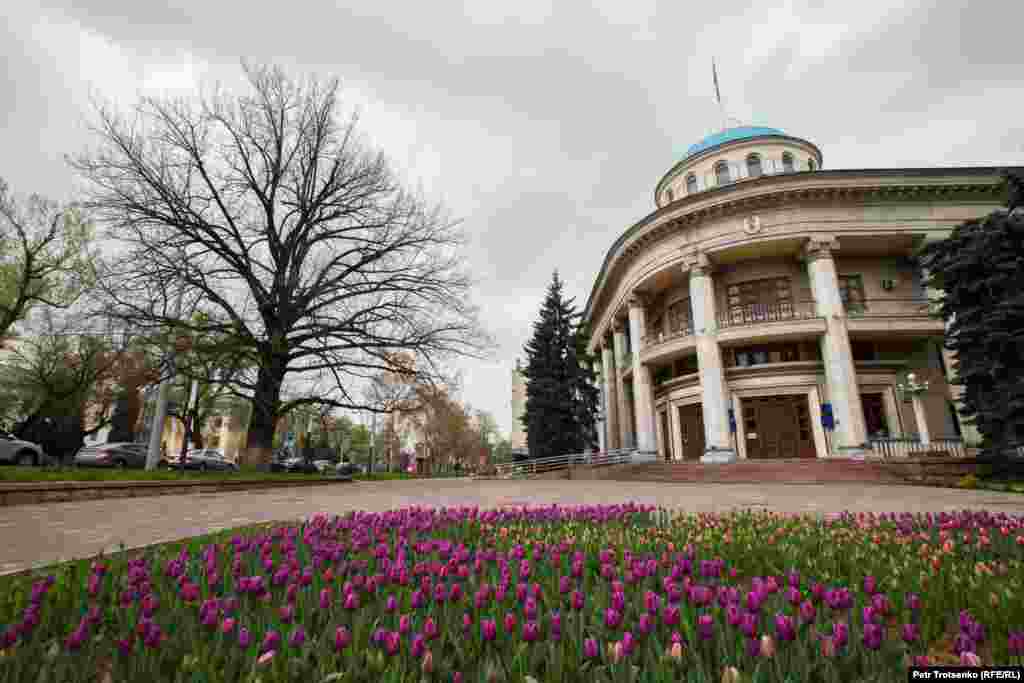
714	74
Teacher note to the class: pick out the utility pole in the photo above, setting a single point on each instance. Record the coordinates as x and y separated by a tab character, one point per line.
156	433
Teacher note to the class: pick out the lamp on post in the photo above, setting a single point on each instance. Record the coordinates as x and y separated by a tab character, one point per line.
915	390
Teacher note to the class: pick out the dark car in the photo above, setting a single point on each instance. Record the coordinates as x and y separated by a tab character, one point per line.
201	459
121	455
284	462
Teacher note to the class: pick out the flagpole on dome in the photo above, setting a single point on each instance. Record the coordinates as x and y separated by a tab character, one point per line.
718	93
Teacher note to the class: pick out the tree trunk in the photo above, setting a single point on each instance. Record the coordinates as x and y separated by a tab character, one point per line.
266	402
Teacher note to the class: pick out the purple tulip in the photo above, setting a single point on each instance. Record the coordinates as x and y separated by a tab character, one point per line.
670	617
531	631
404	623
352	601
873	634
564	584
618	600
910	633
753	647
755	599
488	629
297	637
807	611
840	634
748	624
392	643
733	616
124	645
325	598
793	596
418	646
706	626
963	643
590	648
1015	643
153	637
556	626
576	601
244	637
270	641
913	602
868	614
612	618
78	636
342	638
645	624
430	629
287	613
793	578
870	585
467	622
784	627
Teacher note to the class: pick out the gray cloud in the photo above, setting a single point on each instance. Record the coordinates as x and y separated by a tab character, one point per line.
544	125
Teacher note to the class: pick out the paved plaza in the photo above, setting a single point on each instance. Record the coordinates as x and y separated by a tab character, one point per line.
35	535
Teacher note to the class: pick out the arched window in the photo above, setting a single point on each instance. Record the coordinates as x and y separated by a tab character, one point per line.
754	165
810	164
691	184
668	196
722	173
787	162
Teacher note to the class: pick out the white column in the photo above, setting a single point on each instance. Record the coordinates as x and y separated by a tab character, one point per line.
601	439
714	398
611	394
646	445
850	436
625	423
922	419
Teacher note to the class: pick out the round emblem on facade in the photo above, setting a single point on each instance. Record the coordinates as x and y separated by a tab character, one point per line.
752	225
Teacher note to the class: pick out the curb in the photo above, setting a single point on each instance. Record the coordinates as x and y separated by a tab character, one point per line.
42	492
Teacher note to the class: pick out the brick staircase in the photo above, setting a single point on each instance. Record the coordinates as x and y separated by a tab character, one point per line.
795	471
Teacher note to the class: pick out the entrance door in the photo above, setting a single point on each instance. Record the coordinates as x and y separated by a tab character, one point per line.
666	435
691	428
778	427
874	414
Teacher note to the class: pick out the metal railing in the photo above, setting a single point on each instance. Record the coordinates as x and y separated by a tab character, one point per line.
753	314
907	446
915	307
662	337
561	462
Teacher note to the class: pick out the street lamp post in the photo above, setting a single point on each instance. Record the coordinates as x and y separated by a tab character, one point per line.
916	389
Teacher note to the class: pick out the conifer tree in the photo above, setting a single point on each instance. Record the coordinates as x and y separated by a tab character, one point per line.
561	401
980	269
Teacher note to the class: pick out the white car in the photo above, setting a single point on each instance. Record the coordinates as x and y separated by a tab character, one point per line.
16	451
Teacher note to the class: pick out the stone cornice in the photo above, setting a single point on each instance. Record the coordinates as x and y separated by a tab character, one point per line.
844	186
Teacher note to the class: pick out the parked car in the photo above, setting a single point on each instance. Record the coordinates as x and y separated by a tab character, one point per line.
347	469
323	466
297	464
123	455
15	451
201	459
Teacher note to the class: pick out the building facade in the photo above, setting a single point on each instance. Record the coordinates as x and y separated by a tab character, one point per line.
769	308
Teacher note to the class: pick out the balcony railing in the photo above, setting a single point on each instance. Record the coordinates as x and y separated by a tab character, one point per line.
902	447
915	307
662	337
754	314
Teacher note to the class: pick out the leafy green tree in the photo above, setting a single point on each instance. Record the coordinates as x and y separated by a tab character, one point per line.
561	401
980	269
45	256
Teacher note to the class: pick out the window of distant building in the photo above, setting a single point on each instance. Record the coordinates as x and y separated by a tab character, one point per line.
668	196
722	173
680	316
691	184
787	162
754	165
810	165
851	291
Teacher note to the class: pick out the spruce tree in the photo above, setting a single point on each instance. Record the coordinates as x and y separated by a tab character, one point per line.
980	269
560	400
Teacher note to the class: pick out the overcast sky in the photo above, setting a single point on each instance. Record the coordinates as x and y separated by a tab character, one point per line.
543	125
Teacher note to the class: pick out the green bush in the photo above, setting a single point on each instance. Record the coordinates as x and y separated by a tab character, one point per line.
968	482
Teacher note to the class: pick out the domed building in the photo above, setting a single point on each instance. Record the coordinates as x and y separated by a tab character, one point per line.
771	308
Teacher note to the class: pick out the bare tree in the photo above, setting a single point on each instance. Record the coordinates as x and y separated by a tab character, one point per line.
293	237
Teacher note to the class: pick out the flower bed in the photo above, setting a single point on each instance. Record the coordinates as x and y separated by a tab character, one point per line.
611	593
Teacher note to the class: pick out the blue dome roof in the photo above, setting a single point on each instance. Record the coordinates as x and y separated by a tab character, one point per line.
730	134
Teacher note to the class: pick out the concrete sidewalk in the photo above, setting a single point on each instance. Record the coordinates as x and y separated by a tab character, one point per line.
35	535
